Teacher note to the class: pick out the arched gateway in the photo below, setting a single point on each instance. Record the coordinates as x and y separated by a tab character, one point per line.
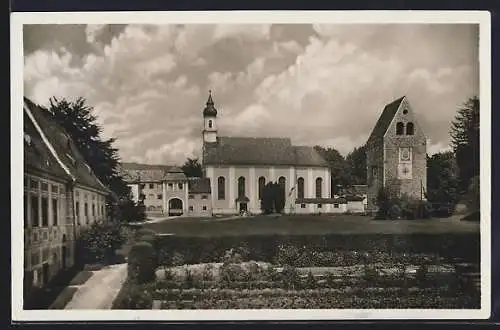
175	207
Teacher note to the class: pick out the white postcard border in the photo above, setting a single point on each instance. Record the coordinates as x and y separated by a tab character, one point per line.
220	17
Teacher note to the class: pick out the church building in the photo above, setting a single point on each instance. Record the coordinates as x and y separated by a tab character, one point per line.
238	168
396	154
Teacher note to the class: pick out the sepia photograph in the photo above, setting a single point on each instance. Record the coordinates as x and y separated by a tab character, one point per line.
247	166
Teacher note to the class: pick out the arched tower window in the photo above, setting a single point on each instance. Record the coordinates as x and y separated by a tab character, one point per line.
282	180
409	129
300	188
241	186
221	188
319	186
210	124
262	184
400	127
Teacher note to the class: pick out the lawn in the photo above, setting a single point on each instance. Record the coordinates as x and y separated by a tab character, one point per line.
307	225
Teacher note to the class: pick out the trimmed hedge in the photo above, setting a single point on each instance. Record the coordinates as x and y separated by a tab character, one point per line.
142	263
318	250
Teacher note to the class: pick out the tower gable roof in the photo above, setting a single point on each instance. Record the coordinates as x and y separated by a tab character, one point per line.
385	119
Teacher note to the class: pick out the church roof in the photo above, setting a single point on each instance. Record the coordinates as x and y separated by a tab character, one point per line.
385	119
260	151
64	147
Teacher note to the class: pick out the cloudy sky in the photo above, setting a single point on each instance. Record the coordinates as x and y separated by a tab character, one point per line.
317	84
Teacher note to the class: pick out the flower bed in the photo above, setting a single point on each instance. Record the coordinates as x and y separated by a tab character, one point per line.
319	250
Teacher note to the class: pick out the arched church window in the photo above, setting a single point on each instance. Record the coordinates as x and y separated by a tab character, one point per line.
282	181
409	129
221	188
400	127
209	124
241	186
319	186
300	188
262	184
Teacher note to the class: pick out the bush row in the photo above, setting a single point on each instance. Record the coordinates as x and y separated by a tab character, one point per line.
319	300
289	279
318	250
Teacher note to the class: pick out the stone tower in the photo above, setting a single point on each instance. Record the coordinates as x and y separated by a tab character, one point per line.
396	154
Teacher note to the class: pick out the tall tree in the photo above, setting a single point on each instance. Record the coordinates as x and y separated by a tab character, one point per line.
465	141
338	166
356	163
77	118
192	168
442	178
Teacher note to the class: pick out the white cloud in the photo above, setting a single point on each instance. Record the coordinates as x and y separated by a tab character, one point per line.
148	85
93	31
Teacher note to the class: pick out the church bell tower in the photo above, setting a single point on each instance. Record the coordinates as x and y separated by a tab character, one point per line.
209	121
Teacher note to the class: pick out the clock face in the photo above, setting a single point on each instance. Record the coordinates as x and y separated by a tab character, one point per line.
405	154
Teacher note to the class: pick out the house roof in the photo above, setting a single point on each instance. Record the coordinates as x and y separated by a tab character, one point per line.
259	151
359	189
64	147
37	155
199	186
320	201
385	119
353	198
136	172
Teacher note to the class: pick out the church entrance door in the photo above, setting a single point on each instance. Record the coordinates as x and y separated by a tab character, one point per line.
243	207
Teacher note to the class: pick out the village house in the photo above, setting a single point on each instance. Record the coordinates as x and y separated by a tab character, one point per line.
62	196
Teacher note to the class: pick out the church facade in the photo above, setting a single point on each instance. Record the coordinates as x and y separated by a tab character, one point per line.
238	168
396	154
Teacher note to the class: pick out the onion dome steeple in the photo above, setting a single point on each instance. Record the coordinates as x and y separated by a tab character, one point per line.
210	110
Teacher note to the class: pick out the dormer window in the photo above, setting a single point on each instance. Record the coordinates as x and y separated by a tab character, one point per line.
27	139
400	127
410	129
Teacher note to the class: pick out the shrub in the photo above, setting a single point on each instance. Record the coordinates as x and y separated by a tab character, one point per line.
178	259
287	254
142	263
145	235
370	273
395	212
207	272
232	256
231	273
290	277
383	204
421	275
310	281
99	242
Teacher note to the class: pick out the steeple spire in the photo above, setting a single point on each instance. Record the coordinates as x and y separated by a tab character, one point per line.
210	110
210	102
